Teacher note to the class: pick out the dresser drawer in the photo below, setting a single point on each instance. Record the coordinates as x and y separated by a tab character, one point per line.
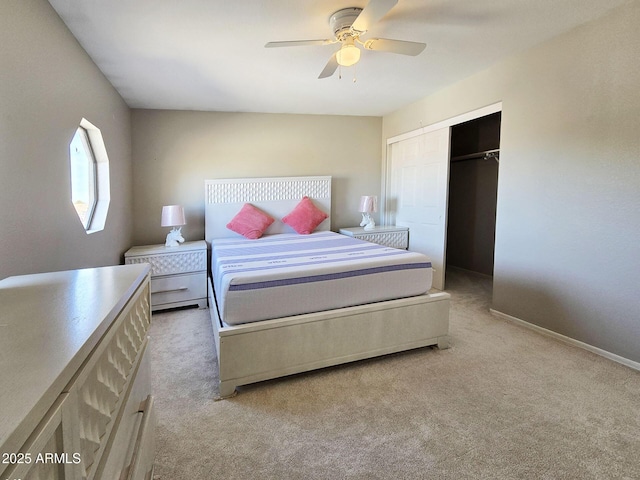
102	385
178	288
141	467
121	450
49	452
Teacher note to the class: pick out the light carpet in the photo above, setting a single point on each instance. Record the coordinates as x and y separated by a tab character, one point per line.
503	402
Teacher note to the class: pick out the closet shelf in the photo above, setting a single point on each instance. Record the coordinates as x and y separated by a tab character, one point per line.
486	154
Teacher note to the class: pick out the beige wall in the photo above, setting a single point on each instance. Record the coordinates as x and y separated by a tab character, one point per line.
567	254
175	151
47	85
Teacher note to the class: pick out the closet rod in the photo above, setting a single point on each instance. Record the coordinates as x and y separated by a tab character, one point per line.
485	155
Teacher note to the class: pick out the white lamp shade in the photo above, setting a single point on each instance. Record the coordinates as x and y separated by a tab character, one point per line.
172	216
368	204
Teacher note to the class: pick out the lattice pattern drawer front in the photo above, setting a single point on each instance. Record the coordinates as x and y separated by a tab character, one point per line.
171	263
103	382
389	239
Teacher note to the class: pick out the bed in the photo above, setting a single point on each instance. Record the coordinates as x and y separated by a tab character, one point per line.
338	312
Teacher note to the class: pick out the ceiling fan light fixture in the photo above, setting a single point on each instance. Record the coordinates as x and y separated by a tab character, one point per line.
348	55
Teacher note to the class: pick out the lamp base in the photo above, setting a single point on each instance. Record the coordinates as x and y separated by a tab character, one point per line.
174	238
367	221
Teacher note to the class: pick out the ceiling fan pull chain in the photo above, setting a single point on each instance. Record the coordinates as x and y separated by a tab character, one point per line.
354	74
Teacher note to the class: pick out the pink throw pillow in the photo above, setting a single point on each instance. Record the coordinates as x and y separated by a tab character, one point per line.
305	217
250	222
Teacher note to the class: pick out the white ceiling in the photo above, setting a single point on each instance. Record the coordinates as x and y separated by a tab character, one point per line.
210	55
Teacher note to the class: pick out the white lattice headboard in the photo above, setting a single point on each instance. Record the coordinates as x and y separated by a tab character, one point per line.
277	196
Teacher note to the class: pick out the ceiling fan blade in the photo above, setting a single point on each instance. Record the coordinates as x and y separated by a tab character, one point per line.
395	46
299	43
374	11
330	67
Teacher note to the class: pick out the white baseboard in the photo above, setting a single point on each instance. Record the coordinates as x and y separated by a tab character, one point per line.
568	340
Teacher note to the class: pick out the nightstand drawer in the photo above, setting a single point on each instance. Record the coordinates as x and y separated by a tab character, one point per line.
174	262
178	274
178	288
396	237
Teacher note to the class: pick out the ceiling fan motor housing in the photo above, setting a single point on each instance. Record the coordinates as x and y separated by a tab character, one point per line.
342	20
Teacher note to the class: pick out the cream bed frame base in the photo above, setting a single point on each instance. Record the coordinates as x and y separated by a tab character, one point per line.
269	349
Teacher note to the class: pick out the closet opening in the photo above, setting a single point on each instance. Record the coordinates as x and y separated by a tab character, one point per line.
473	187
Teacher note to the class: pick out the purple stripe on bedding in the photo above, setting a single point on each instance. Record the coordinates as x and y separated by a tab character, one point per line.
266	239
329	276
358	249
306	264
274	238
285	247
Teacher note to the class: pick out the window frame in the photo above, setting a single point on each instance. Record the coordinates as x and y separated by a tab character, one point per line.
91	138
93	187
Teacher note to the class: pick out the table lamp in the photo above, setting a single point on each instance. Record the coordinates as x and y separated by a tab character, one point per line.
173	216
368	205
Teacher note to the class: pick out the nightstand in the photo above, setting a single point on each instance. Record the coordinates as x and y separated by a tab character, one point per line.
178	274
396	237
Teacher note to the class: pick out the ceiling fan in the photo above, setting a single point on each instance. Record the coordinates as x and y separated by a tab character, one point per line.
348	24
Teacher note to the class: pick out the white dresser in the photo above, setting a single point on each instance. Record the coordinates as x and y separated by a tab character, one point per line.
396	237
75	390
178	274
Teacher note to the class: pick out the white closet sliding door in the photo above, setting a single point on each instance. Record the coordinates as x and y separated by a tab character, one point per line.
418	175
